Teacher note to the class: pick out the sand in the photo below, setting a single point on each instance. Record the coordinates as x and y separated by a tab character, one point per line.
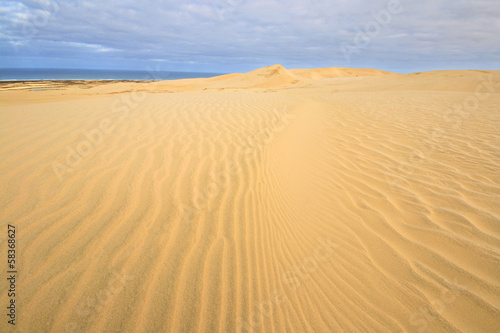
321	200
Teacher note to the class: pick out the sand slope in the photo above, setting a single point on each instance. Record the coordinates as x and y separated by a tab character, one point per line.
336	204
266	77
335	72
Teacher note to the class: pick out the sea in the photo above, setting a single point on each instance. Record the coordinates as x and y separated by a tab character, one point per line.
32	74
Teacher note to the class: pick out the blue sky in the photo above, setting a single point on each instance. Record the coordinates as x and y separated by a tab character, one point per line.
240	35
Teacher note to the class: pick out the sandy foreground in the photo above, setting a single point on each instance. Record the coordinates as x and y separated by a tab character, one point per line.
321	200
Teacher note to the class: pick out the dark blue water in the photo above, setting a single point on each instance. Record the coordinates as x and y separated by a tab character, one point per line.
26	74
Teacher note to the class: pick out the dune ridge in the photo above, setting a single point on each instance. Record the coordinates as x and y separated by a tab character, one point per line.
270	201
336	72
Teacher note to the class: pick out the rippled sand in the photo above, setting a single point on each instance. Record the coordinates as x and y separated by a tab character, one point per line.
326	200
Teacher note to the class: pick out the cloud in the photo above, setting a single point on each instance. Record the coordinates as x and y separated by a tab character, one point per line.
239	35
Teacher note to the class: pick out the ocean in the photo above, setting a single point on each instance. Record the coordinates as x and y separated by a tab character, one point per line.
31	74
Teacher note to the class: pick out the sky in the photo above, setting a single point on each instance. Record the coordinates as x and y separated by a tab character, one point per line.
224	36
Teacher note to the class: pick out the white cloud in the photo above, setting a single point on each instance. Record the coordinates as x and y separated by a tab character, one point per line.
241	34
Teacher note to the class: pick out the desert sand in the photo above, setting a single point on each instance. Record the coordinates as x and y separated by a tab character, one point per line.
279	200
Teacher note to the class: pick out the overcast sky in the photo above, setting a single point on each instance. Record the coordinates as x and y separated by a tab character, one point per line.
240	35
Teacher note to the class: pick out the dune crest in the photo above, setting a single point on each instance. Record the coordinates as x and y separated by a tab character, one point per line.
265	77
336	72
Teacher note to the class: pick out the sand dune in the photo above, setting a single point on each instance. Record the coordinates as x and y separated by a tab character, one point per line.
271	201
335	72
267	77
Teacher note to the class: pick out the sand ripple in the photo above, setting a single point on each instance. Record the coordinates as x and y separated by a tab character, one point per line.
235	211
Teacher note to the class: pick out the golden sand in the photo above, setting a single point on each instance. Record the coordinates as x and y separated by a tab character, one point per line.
322	200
